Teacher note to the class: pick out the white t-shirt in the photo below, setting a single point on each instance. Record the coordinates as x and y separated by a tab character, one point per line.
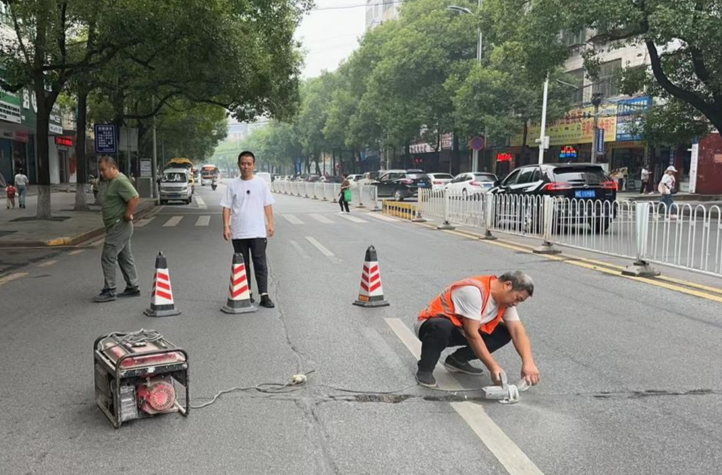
468	302
247	199
21	180
666	184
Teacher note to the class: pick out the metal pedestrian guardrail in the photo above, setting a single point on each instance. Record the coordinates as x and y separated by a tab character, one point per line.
682	235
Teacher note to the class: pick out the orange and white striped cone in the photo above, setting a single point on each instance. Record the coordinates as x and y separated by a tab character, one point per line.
239	295
161	299
371	293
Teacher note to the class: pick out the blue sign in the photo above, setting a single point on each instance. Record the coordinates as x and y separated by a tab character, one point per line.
599	147
105	139
628	112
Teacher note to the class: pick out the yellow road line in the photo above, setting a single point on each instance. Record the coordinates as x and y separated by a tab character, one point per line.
11	277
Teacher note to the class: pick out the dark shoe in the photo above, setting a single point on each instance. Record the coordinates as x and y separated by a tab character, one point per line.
130	292
105	296
456	366
426	378
266	301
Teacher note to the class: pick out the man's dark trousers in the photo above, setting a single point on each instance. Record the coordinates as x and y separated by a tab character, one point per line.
438	333
257	248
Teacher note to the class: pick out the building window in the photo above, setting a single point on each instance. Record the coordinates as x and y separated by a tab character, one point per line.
573	38
606	83
576	77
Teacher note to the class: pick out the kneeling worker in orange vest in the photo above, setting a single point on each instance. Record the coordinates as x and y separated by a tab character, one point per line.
478	314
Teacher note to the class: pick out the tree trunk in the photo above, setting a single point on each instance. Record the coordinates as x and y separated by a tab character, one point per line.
80	196
44	210
456	154
524	146
407	154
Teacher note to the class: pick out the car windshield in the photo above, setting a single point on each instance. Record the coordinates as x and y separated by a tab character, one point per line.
442	176
483	177
588	176
174	178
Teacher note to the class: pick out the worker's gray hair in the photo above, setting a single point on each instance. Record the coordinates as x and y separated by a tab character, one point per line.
519	281
110	161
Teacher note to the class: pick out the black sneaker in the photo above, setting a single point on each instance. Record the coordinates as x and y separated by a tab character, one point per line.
130	292
426	378
266	301
456	366
105	295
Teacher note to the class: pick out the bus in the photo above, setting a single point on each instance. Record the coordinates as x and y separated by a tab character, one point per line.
209	173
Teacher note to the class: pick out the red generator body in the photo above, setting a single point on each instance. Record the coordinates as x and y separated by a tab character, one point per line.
139	375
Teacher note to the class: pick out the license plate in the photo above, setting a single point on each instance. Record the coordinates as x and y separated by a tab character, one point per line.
585	194
422	185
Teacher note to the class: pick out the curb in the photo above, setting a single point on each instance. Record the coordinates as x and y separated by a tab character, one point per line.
74	240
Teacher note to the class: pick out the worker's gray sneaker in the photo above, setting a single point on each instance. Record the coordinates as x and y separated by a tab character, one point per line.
456	366
426	378
130	292
105	296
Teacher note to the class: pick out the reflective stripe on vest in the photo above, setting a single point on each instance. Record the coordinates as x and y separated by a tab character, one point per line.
443	305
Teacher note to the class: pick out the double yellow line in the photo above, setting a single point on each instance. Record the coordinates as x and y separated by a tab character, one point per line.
678	285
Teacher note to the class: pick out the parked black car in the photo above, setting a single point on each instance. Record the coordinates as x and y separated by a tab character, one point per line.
401	184
579	187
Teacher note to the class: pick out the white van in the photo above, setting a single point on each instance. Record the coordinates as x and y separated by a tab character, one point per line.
175	185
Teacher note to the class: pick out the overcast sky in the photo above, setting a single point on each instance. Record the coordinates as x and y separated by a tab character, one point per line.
330	33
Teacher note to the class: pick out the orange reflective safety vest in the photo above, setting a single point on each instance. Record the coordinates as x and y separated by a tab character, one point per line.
443	305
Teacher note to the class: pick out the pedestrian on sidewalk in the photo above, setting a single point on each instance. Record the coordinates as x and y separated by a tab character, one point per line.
94	187
345	185
479	314
22	183
10	191
645	179
668	187
248	221
119	204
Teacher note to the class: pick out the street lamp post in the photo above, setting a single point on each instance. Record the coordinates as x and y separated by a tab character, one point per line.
596	102
479	55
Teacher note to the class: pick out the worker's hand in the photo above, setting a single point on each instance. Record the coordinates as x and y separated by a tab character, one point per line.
495	373
128	217
227	233
530	373
269	228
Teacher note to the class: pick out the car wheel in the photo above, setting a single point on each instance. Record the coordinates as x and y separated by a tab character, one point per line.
398	196
162	202
600	225
464	194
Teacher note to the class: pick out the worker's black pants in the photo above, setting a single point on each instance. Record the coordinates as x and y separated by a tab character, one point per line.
343	203
438	333
257	248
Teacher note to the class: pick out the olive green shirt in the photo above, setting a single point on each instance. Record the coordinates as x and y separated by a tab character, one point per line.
118	192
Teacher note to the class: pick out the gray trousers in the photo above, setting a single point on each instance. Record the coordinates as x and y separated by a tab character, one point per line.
117	250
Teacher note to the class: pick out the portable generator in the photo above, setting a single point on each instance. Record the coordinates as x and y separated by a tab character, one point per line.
138	375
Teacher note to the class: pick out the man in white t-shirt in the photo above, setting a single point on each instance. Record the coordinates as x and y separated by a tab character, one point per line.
21	183
479	314
248	221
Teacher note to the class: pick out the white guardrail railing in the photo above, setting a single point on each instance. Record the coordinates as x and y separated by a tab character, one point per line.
361	196
683	235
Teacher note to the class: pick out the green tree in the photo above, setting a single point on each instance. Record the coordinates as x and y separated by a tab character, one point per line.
683	39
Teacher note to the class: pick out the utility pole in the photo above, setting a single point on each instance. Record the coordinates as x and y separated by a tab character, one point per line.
596	102
154	165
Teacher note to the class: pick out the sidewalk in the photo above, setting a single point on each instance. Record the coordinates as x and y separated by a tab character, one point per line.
686	197
19	228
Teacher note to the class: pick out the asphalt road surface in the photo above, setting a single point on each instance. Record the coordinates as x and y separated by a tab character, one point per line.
631	380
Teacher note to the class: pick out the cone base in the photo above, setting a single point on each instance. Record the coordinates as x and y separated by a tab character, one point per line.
234	311
149	312
375	303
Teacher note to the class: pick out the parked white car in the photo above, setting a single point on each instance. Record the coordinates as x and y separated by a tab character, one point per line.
469	183
439	180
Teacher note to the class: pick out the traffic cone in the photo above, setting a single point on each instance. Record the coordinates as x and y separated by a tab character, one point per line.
371	293
161	299
239	296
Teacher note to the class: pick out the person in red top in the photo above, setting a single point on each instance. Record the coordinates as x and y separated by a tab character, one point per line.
478	314
10	191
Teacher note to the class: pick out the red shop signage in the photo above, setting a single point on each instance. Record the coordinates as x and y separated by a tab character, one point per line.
64	141
503	157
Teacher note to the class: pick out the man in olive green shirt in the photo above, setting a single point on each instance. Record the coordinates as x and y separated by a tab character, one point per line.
119	204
